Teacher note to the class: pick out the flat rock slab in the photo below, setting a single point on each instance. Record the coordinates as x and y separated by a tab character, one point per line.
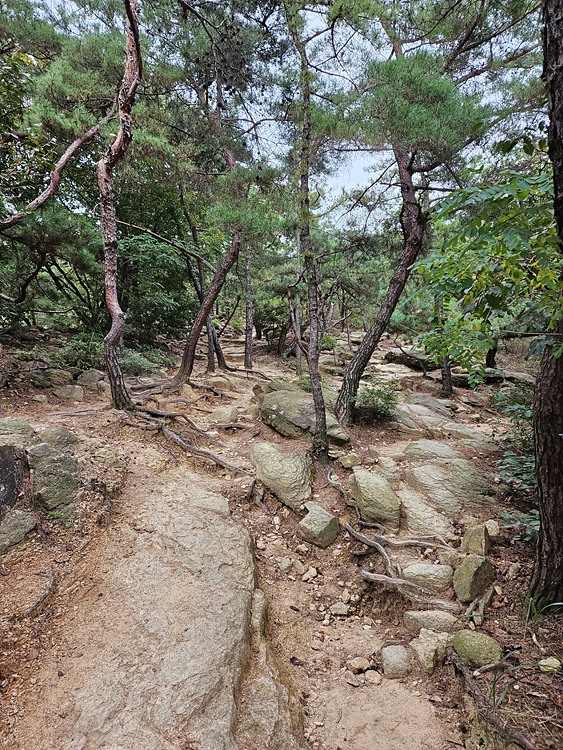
430	449
451	484
469	436
421	518
169	672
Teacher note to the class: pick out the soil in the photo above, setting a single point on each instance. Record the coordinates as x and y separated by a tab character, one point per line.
40	654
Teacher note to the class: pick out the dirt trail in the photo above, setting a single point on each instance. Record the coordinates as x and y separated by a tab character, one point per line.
127	658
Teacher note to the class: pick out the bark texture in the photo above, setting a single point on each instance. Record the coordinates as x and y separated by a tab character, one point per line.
415	224
104	168
214	289
546	585
249	310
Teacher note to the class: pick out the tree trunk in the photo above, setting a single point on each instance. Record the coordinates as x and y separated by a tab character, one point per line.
297	306
126	97
546	585
214	289
447	387
249	310
416	222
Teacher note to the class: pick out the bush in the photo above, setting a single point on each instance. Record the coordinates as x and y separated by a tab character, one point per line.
85	351
517	467
328	343
376	400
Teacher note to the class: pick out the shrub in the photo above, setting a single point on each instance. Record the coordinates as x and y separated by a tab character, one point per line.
376	400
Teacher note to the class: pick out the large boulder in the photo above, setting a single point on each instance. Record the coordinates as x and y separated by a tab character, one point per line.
429	450
55	475
441	406
292	413
469	436
287	476
70	392
450	484
421	518
414	358
375	498
402	423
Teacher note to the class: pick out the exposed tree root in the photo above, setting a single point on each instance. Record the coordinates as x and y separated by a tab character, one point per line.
143	418
393	570
506	731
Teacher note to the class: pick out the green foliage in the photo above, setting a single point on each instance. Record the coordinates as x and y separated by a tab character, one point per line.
530	521
134	363
59	517
517	467
85	351
304	382
378	399
328	343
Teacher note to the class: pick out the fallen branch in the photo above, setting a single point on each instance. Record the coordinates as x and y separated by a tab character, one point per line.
506	731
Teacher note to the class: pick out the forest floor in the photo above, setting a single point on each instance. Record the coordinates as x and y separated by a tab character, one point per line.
420	712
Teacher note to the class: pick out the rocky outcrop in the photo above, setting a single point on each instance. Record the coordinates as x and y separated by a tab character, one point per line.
414	358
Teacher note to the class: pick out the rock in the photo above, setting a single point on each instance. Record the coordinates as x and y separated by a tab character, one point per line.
40	398
373	451
375	498
15	431
476	539
450	483
430	648
402	424
443	407
318	527
60	377
14	527
472	577
70	393
430	449
469	436
422	519
551	665
287	476
309	574
460	377
224	415
13	469
373	677
476	649
358	664
493	529
105	389
350	460
432	619
413	358
339	609
519	377
292	413
284	564
396	662
432	577
448	557
58	437
351	679
90	379
217	381
434	482
55	475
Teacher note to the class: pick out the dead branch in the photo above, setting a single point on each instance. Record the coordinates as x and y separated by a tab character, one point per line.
169	434
37	607
423	541
506	731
